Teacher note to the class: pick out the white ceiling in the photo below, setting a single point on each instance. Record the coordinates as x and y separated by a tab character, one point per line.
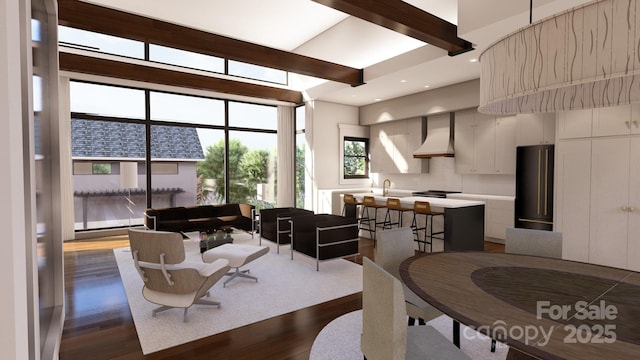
394	64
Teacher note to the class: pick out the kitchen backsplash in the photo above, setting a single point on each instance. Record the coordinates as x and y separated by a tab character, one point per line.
442	176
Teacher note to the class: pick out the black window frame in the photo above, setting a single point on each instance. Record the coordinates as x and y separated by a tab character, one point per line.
365	157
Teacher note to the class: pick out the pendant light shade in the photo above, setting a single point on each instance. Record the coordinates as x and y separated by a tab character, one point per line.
586	57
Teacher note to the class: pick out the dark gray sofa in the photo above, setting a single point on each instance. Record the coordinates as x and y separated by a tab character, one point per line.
199	218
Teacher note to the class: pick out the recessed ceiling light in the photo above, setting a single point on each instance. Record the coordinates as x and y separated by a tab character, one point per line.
378	99
403	81
473	60
426	86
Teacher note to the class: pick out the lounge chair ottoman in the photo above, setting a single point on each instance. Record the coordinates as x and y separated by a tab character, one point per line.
238	255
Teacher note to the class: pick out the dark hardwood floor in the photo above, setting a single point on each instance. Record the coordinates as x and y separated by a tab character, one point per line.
99	325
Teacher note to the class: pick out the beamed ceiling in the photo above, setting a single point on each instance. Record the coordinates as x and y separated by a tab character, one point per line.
353	52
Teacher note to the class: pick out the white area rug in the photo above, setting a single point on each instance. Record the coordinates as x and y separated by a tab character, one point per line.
283	286
340	339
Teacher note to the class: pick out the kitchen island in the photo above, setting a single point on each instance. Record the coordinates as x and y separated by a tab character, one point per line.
463	219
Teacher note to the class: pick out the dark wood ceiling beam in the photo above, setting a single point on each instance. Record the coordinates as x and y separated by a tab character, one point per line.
406	19
129	71
100	19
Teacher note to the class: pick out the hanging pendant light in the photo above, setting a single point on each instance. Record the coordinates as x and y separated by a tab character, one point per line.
586	57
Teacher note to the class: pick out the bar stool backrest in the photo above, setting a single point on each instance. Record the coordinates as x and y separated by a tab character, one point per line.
422	207
349	199
369	201
393	203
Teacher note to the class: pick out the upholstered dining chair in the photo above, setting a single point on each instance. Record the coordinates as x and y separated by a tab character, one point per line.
533	242
385	334
395	246
169	280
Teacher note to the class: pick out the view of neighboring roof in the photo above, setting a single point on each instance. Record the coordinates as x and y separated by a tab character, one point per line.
91	139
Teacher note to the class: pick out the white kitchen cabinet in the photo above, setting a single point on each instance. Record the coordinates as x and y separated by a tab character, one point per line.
380	148
633	210
575	124
464	139
609	230
634	125
597	200
536	129
475	141
391	146
606	121
612	120
572	201
413	140
484	144
500	216
399	141
505	148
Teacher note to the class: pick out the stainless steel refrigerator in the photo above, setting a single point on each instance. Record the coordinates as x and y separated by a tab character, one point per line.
534	187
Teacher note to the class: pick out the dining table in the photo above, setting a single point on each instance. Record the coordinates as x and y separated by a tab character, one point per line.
540	307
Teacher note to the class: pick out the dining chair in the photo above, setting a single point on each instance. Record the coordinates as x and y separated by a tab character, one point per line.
385	334
395	246
533	242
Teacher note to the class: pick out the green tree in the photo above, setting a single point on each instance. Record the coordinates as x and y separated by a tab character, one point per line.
211	170
257	167
247	169
354	159
300	150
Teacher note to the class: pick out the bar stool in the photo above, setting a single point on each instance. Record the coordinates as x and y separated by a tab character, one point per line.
424	208
350	207
369	202
393	204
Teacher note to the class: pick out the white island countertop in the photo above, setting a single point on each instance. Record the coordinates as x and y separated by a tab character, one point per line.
434	202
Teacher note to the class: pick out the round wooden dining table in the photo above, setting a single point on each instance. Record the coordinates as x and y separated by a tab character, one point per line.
540	307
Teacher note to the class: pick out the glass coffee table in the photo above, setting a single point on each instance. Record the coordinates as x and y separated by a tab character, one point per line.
217	237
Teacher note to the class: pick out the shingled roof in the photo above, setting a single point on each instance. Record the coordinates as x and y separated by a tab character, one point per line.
95	139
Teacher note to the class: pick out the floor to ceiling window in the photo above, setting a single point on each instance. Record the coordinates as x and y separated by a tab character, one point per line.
107	128
181	148
187	149
201	151
252	154
300	165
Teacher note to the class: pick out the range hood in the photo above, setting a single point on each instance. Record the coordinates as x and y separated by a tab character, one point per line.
439	141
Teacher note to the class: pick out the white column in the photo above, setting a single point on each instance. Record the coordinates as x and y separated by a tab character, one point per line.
310	178
66	171
286	156
14	308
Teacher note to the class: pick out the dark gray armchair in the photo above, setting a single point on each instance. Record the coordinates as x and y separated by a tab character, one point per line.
324	236
274	224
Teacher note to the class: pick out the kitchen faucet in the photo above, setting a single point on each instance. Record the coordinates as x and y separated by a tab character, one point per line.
385	190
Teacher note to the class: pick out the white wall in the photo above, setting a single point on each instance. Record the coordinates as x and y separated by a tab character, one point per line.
324	120
327	118
464	95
